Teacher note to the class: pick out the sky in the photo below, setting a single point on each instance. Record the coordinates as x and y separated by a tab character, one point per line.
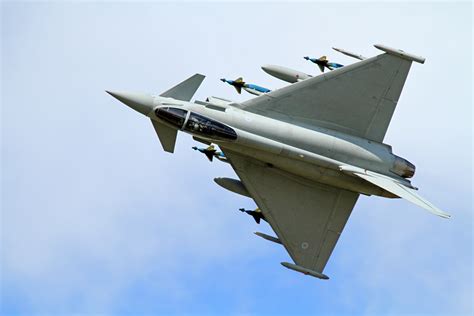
97	219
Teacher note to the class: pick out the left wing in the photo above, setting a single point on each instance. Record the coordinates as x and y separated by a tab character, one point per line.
308	217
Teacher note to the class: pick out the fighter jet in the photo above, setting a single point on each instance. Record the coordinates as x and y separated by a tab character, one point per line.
302	154
323	63
240	84
211	152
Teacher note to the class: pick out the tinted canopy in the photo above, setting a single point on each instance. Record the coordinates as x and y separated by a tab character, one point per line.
173	116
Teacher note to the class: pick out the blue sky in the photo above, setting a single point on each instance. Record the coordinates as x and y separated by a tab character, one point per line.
97	219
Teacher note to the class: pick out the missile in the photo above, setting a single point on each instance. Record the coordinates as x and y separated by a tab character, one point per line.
268	237
285	74
232	185
240	84
305	271
255	90
256	214
211	152
322	62
350	54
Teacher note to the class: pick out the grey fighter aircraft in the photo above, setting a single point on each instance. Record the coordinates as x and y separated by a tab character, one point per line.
305	152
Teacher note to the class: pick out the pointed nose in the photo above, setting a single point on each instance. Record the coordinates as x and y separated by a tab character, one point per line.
140	102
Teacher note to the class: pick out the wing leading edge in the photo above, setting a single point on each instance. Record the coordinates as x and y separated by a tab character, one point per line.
308	217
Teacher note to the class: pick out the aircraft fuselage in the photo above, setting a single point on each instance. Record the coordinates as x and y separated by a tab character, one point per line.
313	153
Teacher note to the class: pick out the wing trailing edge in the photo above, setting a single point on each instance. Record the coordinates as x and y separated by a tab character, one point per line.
396	187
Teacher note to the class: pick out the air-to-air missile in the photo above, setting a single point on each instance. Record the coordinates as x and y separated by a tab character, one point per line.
350	54
285	74
256	214
240	84
211	152
268	237
323	62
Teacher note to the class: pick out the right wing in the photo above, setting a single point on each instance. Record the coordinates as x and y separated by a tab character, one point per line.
308	217
357	99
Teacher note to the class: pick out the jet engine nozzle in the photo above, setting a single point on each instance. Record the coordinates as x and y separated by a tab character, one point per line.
403	167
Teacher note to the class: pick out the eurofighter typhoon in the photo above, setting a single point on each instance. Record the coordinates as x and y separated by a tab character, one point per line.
305	152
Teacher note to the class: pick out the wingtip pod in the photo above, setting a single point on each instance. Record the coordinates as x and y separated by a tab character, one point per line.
305	271
400	53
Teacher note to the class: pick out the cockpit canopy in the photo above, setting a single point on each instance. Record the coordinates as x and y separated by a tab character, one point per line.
196	124
174	116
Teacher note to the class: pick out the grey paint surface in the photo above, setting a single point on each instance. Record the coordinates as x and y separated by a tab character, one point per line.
358	99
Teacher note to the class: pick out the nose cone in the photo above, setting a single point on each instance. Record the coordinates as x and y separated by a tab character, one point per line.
140	102
271	69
